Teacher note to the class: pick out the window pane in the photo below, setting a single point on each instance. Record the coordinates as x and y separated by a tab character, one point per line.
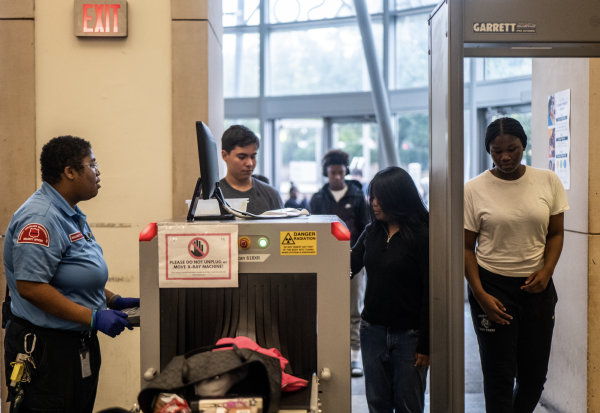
413	140
412	45
241	64
324	60
241	13
250	123
360	141
411	4
296	158
286	11
502	68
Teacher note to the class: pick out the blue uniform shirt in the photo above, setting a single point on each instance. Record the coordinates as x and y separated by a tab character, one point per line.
47	241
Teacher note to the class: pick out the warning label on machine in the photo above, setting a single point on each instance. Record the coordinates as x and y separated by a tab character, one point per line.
197	256
298	242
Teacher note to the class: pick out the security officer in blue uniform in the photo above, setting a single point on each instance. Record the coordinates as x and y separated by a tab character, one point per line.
56	275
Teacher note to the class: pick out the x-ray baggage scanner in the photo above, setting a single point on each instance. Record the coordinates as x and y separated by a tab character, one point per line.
299	304
290	289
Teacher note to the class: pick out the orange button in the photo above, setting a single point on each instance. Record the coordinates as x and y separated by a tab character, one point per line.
244	243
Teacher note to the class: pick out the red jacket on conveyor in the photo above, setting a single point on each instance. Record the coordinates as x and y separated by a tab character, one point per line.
288	382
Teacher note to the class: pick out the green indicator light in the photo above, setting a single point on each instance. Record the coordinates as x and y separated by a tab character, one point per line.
263	242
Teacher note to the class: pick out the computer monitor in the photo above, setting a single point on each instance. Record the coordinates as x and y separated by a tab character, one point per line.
209	174
207	155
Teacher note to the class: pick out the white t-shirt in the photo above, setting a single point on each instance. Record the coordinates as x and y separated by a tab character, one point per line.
512	219
337	195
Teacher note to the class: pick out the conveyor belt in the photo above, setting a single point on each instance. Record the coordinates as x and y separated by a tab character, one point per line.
275	310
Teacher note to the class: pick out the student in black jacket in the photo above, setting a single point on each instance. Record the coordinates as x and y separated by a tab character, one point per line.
345	199
394	330
339	196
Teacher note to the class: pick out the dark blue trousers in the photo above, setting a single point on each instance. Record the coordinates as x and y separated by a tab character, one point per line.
57	384
392	382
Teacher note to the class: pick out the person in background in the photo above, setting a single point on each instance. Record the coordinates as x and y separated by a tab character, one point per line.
514	232
293	201
394	330
240	146
262	178
56	274
357	175
345	199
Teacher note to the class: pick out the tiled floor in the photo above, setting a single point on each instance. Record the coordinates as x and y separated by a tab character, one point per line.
474	401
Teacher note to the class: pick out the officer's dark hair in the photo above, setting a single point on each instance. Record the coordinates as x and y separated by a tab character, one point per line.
61	152
399	199
238	135
504	126
335	157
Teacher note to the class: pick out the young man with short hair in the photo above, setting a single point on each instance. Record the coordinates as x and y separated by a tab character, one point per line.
240	146
345	199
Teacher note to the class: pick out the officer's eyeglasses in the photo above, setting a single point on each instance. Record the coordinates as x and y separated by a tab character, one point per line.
94	165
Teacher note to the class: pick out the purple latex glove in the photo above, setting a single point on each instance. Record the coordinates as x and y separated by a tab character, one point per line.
111	322
124	302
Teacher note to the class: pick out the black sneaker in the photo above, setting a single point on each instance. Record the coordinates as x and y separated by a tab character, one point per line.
356	369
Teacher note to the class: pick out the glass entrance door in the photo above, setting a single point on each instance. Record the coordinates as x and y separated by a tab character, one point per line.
360	140
297	157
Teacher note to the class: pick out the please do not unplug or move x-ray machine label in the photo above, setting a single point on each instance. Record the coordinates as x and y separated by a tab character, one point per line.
195	256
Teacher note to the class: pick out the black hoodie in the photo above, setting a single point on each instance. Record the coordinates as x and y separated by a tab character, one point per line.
397	294
352	208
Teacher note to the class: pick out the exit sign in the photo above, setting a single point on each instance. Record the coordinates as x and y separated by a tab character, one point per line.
106	18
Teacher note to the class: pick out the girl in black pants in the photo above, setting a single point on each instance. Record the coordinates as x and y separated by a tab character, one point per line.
394	326
514	232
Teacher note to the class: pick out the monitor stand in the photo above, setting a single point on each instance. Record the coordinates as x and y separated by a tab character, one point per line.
224	216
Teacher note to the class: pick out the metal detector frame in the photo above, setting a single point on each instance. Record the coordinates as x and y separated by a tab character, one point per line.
451	38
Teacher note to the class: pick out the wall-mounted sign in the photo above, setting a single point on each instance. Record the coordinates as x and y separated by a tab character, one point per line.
97	18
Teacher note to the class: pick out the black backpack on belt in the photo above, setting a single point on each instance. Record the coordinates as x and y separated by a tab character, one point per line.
184	372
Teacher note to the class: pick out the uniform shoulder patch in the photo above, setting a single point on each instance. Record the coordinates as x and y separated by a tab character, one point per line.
76	236
34	234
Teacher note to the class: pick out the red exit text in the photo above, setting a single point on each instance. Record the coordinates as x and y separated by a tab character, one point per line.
102	18
102	24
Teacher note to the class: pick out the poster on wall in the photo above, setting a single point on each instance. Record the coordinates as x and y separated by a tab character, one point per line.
197	256
559	136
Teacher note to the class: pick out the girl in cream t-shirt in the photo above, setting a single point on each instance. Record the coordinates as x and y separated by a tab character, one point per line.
514	230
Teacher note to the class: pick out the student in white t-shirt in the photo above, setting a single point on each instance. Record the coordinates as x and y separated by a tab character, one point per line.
514	231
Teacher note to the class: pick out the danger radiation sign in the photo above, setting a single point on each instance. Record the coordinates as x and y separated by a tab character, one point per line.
298	242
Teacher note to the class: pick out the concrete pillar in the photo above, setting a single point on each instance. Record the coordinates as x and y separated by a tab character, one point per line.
115	93
593	330
197	65
136	99
17	126
574	374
